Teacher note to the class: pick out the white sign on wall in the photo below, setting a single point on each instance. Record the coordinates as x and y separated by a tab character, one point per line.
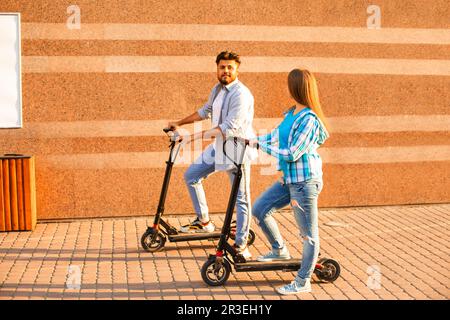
10	71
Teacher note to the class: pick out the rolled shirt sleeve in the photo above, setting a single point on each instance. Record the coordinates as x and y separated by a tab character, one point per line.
205	112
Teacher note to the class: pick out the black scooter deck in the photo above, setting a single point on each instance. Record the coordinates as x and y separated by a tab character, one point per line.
252	265
187	236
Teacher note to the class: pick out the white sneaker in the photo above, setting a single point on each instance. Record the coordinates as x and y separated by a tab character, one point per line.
275	254
296	286
210	227
197	226
244	252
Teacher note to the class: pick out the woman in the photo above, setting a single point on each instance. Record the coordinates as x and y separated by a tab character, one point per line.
294	143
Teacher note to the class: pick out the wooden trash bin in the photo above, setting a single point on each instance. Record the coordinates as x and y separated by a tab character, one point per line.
17	193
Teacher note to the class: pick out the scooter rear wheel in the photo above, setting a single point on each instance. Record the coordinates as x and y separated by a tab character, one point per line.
251	234
330	271
151	244
216	273
251	237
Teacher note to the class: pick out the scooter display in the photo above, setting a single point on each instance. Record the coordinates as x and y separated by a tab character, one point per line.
216	270
155	237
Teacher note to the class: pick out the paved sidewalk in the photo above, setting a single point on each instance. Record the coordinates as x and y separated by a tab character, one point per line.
396	252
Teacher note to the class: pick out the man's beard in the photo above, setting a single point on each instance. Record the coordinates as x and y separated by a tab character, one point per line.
225	81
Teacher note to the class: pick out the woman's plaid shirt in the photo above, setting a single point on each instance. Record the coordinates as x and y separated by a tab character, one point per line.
303	162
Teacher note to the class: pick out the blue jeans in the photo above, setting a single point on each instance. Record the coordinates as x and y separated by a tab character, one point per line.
200	170
303	199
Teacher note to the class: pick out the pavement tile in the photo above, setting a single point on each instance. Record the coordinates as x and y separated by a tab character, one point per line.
109	263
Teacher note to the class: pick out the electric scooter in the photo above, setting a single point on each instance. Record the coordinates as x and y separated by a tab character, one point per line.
155	237
217	268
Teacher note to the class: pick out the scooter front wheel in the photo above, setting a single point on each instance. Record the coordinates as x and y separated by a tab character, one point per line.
330	271
153	242
216	273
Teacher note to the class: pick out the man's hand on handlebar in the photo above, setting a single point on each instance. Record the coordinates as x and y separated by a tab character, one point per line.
173	134
173	125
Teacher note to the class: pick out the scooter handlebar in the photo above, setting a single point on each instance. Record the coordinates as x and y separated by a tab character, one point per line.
242	141
247	143
167	130
175	136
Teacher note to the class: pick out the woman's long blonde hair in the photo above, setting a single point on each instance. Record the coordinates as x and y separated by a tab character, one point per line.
303	88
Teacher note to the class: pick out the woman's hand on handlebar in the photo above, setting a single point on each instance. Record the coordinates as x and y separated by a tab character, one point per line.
253	143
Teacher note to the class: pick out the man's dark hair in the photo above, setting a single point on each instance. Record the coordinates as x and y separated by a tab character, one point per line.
228	55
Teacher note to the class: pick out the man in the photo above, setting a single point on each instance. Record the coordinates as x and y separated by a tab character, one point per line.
230	107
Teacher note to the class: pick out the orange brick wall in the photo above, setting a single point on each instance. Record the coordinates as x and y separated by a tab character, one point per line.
95	98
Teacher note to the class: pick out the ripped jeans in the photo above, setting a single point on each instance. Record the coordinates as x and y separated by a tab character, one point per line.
302	197
203	167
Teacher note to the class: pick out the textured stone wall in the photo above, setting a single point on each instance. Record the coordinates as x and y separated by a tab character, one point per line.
98	88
